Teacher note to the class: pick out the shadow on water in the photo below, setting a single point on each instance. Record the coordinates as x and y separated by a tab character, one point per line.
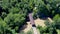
42	16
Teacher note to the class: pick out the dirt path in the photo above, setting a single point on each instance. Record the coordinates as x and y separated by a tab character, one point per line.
37	22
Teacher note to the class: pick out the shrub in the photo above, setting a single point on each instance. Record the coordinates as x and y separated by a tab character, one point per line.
15	21
5	29
57	21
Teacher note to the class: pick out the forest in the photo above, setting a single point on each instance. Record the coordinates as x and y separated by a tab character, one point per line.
14	14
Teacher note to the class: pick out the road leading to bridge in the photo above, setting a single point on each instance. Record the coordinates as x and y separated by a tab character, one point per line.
32	23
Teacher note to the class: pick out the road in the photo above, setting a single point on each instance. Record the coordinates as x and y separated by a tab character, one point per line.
34	30
32	23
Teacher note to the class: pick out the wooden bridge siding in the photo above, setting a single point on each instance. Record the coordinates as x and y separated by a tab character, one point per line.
31	19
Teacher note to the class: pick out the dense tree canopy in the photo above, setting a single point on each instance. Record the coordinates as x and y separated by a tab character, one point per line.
14	13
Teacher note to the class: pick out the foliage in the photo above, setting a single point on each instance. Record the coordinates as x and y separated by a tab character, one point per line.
48	8
15	20
47	22
22	32
47	30
14	12
5	29
29	32
57	21
58	31
51	27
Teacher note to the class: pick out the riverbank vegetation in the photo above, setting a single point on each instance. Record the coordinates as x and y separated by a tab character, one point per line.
14	14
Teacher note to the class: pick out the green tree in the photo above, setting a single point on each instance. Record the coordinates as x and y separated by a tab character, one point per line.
15	20
57	21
